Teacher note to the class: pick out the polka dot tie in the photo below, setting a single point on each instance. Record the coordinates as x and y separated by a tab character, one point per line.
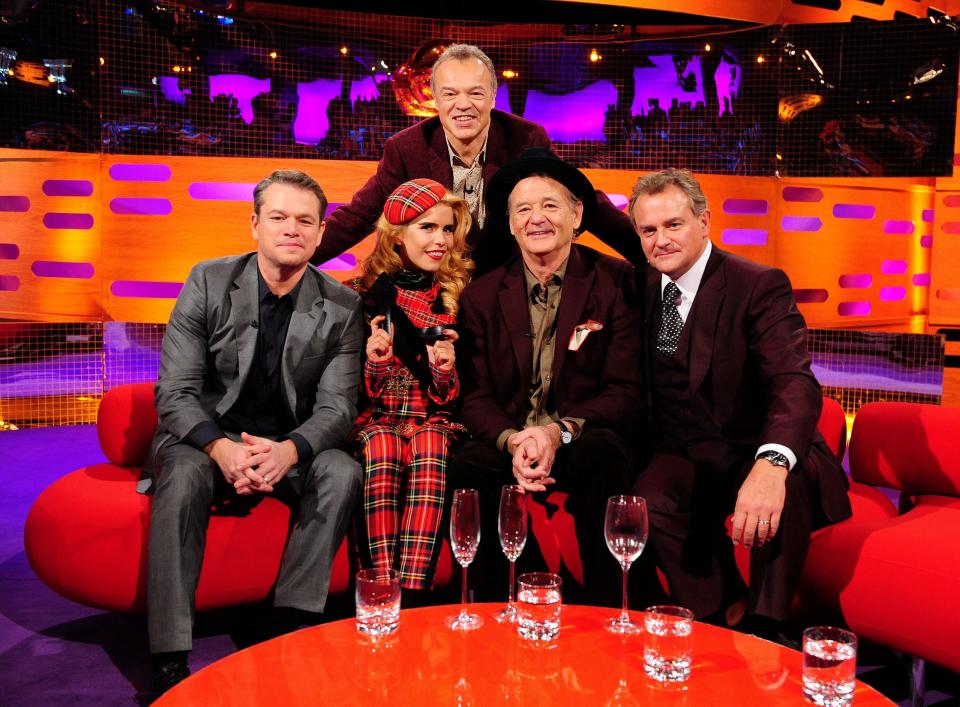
670	321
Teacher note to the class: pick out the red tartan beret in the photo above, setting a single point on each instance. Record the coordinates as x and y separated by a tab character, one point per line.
411	199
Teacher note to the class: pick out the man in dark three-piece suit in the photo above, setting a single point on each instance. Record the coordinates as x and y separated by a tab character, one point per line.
734	412
462	148
551	386
257	388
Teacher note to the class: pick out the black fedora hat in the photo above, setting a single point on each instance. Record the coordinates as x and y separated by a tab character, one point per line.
539	160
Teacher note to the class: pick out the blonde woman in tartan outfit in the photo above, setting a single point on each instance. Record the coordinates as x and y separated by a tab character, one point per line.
410	287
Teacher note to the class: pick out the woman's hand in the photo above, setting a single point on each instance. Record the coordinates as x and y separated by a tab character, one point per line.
441	352
380	343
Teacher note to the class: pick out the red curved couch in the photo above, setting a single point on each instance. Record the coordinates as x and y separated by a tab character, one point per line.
86	534
892	571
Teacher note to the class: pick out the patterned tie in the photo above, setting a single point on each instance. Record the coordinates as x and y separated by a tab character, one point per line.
670	321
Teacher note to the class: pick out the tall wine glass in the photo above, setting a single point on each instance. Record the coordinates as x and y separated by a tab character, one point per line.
464	538
512	527
625	530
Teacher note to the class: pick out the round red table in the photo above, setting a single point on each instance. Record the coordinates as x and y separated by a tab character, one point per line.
424	663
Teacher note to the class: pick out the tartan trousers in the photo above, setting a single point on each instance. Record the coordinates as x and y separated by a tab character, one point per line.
403	493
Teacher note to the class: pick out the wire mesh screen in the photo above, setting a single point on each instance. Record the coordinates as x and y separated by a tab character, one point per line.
160	78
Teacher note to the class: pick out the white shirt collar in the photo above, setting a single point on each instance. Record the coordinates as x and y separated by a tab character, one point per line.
689	282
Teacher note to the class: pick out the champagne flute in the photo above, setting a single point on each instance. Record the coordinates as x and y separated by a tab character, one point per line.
464	538
625	530
512	527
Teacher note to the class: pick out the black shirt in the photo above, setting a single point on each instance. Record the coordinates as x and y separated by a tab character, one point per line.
261	408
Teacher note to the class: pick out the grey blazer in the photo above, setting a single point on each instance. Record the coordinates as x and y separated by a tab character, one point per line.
209	346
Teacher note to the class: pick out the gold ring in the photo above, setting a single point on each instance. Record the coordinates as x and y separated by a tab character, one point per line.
763	522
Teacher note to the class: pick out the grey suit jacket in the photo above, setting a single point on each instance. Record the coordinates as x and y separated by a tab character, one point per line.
209	346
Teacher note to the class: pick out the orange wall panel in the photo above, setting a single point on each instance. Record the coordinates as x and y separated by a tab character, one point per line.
858	251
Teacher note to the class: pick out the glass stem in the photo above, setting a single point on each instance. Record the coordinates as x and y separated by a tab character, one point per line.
512	581
463	592
623	614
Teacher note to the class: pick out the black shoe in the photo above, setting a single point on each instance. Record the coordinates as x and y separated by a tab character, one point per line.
286	619
168	670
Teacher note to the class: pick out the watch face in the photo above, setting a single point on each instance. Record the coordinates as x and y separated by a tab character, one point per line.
566	436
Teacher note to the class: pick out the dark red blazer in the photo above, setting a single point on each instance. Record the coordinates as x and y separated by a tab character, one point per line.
421	151
750	368
601	382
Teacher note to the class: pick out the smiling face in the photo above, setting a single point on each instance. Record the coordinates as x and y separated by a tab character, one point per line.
672	235
425	241
465	98
287	228
543	217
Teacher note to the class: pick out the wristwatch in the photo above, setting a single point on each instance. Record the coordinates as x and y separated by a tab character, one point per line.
774	457
566	436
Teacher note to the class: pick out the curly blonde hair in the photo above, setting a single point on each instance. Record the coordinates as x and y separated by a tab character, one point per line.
455	268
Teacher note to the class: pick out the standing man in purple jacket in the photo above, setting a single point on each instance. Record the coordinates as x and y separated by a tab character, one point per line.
462	148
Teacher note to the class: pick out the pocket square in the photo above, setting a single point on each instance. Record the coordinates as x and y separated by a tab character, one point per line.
581	332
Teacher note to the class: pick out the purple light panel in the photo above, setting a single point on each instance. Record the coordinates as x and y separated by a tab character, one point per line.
864	211
856	280
952	201
311	124
14	203
143	288
9	283
893	294
347	261
59	220
660	83
67	187
926	241
927	215
744	236
243	88
51	268
810	296
801	223
366	89
9	251
170	88
810	195
574	116
853	309
749	207
893	267
222	191
140	206
140	173
922	279
898	227
619	200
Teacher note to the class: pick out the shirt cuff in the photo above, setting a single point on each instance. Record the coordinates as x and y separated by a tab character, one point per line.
785	451
304	450
203	434
376	369
502	439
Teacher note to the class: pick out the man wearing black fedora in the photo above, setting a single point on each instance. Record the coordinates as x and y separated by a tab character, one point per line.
552	389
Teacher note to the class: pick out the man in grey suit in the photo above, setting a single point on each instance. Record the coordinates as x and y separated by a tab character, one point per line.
257	387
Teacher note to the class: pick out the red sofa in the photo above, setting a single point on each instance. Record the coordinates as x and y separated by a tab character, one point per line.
892	571
86	534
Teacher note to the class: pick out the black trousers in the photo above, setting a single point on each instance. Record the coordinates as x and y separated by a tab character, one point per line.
688	504
592	468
